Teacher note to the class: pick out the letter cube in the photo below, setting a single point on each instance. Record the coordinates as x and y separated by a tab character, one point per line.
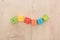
20	18
33	22
45	17
14	20
27	20
40	21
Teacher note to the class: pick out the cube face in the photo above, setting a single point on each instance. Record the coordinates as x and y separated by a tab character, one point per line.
33	22
20	18
27	20
45	17
40	21
14	20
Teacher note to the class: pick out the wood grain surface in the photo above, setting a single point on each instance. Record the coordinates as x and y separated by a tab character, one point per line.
33	9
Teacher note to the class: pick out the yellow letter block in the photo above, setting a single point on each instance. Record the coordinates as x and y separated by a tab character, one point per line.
20	18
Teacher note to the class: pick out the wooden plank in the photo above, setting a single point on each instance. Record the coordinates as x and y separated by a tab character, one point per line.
33	9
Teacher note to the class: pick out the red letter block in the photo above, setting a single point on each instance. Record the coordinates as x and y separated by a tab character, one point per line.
27	20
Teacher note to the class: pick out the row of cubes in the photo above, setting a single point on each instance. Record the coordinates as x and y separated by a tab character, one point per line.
29	20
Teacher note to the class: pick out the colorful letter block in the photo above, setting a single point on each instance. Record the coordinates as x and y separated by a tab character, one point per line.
20	18
14	20
33	22
40	21
27	20
45	17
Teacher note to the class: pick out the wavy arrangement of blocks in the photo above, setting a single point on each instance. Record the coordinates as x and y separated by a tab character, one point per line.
28	20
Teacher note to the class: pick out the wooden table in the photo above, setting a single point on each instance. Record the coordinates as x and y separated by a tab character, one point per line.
33	9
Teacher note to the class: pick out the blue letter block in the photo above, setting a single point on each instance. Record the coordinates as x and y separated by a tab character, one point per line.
40	21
